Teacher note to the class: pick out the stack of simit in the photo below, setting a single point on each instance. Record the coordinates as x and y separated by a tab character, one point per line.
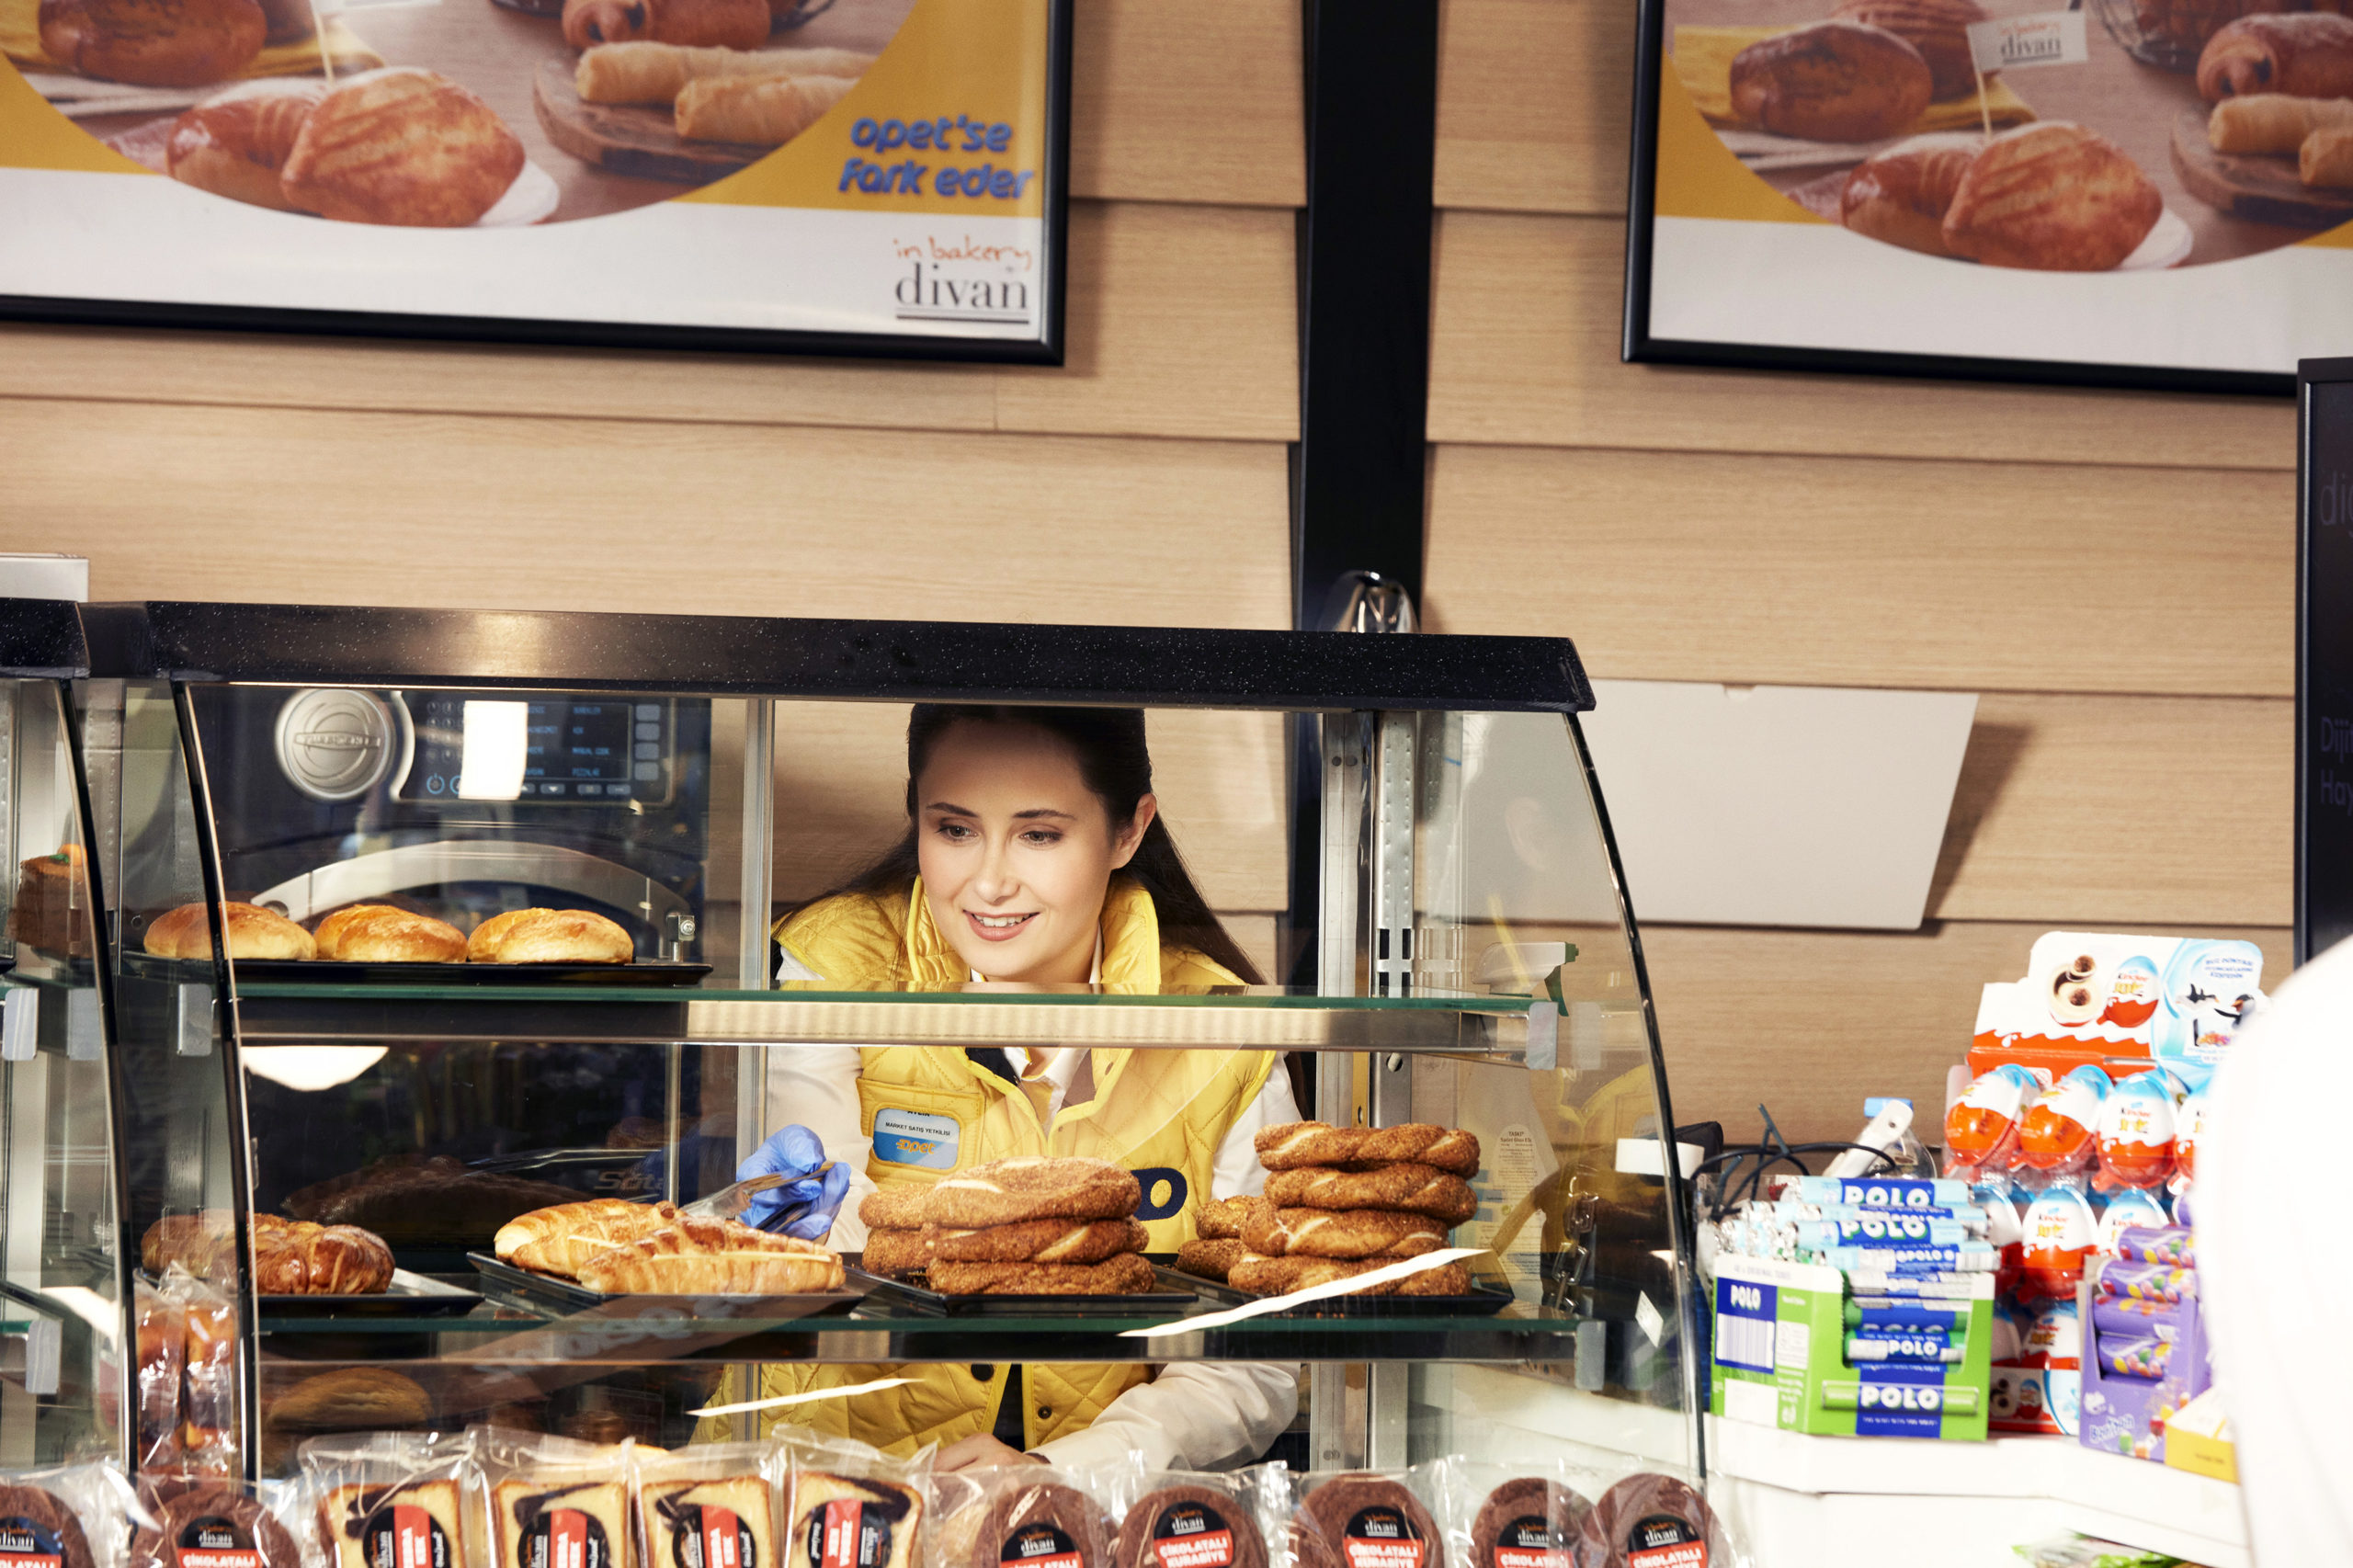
1032	1224
1342	1202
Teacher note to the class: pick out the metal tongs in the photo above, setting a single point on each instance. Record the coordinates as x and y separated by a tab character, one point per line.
729	1202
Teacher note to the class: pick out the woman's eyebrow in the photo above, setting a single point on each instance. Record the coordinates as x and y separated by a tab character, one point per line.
951	809
1042	811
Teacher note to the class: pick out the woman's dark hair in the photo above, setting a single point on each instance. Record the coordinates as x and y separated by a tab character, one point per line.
1116	765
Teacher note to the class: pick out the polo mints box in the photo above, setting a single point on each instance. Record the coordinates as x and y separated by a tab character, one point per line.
1794	1350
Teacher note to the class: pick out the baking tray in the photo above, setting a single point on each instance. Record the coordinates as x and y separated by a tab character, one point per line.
1482	1301
1177	1295
411	1296
512	1286
334	971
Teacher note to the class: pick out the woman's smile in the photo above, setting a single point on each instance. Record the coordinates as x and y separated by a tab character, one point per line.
998	927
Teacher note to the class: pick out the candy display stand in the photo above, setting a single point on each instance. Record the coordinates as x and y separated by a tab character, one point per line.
2127	1414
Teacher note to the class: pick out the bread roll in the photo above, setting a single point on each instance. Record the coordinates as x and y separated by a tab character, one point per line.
765	111
2325	159
154	44
646	72
351	1399
378	933
252	932
1831	81
712	1257
1901	196
724	24
2053	197
2307	55
549	936
1938	28
235	144
402	146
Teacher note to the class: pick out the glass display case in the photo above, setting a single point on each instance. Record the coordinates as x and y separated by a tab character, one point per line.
1467	953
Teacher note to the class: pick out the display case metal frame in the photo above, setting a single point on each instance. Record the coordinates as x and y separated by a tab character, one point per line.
1368	689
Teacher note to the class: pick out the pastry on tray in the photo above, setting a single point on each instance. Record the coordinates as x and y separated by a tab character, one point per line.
235	144
1408	1186
1938	28
1036	1241
701	1257
558	1240
378	933
1901	196
1123	1274
291	1257
549	936
1832	82
1294	1146
766	112
649	72
704	24
1264	1275
154	44
2273	122
402	146
1210	1257
1344	1233
2306	54
252	932
1032	1187
2053	197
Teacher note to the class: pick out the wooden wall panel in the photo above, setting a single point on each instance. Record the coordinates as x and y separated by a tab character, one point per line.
1180	323
2113	811
1524	350
387	508
1197	102
1219	776
1852	571
1813	1022
1534	102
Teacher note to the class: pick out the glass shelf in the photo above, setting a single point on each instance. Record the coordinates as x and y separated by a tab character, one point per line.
310	1013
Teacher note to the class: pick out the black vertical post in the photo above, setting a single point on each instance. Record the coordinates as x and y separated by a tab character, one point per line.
1364	307
2323	656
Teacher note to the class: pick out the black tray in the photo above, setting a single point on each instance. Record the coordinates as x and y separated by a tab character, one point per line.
411	1296
510	1285
1482	1301
333	971
1176	1296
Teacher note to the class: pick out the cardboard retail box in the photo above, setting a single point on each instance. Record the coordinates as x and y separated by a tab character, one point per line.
1780	1359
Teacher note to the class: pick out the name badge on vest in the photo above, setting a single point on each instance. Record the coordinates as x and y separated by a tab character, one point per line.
911	1138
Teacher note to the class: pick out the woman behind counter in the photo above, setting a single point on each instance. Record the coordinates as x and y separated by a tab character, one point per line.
1034	854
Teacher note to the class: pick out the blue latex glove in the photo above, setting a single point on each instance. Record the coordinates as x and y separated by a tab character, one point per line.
793	1152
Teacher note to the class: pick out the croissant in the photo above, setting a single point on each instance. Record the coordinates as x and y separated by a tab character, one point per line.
1902	195
2307	55
2325	158
299	1258
705	1256
235	144
647	72
727	24
2272	122
767	112
560	1238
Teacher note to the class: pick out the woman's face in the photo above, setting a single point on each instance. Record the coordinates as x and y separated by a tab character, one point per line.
1016	851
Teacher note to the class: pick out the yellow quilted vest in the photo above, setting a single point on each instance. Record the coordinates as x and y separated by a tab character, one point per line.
927	1111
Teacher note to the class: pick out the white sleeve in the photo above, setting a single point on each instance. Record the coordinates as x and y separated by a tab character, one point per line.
1236	1172
816	1085
1195	1416
1203	1415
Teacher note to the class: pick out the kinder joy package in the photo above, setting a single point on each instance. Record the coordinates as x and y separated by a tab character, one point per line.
2098	998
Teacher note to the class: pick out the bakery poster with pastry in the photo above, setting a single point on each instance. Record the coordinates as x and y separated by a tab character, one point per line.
2153	193
881	176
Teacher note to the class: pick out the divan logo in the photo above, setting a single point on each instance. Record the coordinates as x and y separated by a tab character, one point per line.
964	279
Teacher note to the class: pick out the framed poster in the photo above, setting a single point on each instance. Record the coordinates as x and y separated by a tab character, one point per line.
864	176
1993	189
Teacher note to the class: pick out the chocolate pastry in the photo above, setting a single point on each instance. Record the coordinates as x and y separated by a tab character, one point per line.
1033	1187
1647	1519
35	1523
1037	1241
1414	1189
1938	28
1212	1259
842	1521
209	1516
414	1524
1345	1232
2305	55
894	1252
724	1522
895	1208
1188	1527
1048	1521
1528	1523
1128	1273
1225	1217
1831	81
1264	1275
2053	197
1372	1523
